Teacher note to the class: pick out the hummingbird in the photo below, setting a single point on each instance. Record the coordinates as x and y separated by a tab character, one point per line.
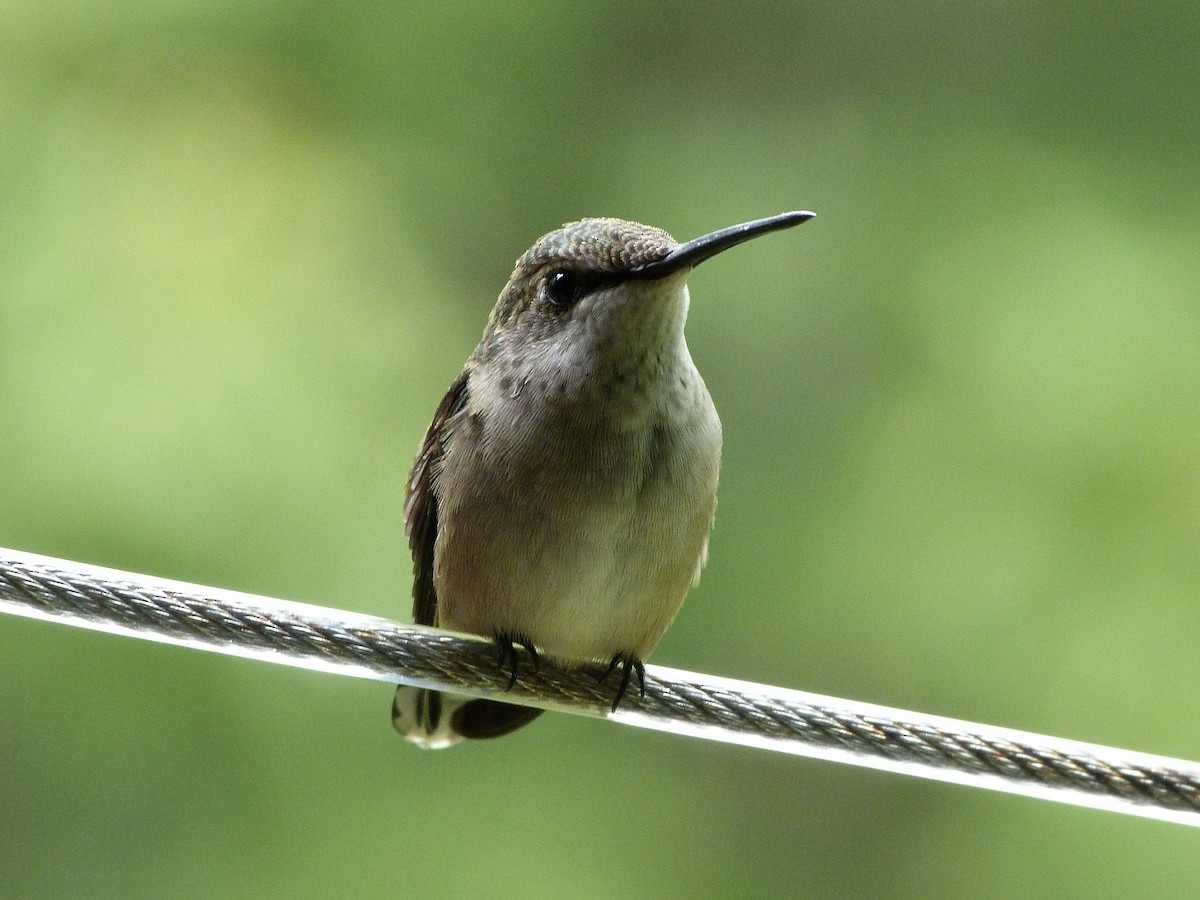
561	500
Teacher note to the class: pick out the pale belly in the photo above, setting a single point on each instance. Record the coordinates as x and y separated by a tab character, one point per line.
584	545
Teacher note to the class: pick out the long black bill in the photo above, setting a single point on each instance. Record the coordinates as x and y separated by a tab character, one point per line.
698	250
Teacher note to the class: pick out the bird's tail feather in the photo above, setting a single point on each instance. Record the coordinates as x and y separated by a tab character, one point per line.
434	720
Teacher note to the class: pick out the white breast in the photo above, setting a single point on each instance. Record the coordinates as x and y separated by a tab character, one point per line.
577	517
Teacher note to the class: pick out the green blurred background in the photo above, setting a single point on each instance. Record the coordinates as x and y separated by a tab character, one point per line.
245	247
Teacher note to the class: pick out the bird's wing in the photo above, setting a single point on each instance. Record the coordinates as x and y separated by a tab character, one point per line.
420	502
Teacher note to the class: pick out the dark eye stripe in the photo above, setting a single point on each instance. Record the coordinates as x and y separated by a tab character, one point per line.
563	288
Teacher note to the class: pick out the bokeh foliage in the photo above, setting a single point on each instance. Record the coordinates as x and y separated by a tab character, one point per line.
244	247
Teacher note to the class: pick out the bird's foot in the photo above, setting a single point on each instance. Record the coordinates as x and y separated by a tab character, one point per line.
629	664
509	656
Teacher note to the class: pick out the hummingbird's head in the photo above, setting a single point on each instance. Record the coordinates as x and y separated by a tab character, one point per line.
570	264
555	279
601	288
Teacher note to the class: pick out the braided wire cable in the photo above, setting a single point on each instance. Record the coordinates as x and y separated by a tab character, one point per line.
683	702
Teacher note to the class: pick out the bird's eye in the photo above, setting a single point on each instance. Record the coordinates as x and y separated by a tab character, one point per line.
562	288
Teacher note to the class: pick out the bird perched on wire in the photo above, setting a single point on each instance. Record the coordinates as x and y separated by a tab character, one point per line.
562	497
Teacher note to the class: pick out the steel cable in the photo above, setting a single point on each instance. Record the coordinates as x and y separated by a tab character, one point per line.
700	705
